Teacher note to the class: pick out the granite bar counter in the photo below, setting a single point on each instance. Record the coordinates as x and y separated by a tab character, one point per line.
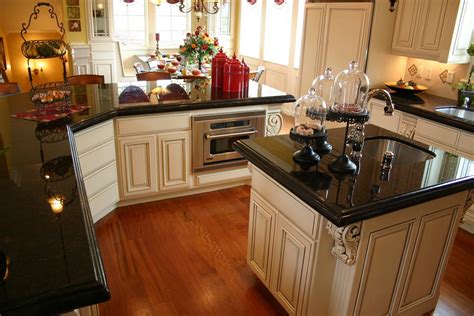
345	200
49	257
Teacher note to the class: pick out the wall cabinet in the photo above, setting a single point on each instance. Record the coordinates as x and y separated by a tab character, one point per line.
438	30
334	34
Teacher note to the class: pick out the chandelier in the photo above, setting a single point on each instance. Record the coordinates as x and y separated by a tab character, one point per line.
200	7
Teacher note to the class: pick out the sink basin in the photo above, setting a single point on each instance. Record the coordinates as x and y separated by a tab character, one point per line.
404	153
457	112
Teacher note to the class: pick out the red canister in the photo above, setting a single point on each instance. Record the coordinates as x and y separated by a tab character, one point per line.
245	75
233	71
218	63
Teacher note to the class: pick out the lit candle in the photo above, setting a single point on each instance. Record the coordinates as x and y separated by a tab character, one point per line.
157	36
56	205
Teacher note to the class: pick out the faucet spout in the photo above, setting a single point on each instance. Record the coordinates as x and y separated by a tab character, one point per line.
389	108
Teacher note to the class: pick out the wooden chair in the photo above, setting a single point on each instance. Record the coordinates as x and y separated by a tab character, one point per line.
256	75
153	75
139	67
9	88
86	79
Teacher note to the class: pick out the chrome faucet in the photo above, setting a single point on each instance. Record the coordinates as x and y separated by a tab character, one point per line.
389	108
466	102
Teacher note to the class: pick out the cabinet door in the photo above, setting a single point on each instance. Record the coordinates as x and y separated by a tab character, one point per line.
405	25
260	241
138	164
430	27
174	149
290	266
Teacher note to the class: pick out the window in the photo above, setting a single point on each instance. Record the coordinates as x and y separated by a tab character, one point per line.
250	26
277	32
220	25
172	25
129	22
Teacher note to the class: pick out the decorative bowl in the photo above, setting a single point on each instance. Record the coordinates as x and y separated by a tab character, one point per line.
171	70
196	72
406	89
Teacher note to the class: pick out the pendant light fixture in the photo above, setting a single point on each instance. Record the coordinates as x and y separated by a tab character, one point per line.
200	7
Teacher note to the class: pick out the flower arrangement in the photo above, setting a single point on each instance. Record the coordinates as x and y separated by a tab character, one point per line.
199	47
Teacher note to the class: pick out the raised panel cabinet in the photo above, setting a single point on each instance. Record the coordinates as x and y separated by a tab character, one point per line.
175	160
291	261
438	30
334	35
138	165
261	229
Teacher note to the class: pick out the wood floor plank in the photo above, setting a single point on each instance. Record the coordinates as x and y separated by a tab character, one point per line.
187	256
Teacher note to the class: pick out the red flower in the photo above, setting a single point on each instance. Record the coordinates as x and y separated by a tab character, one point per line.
205	34
196	33
205	46
216	43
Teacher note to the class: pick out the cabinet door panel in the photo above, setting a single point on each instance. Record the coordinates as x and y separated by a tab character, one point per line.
138	165
405	25
431	26
291	260
347	35
260	242
175	160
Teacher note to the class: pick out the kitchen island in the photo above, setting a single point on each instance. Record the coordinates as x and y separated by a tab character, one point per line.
371	243
55	175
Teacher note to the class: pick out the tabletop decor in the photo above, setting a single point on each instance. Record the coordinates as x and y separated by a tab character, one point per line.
199	47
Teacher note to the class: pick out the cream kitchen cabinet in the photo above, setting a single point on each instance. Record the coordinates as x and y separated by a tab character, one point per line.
334	35
438	30
154	154
96	150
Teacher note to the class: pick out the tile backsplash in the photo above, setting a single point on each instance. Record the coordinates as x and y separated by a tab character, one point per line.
439	73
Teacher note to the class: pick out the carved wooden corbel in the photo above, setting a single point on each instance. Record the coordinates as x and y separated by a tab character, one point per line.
346	241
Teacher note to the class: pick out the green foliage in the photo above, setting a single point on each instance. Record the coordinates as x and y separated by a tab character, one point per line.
199	46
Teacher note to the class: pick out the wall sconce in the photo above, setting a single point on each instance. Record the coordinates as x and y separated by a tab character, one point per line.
36	71
393	5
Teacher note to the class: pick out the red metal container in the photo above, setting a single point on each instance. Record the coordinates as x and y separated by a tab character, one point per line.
233	72
218	63
245	75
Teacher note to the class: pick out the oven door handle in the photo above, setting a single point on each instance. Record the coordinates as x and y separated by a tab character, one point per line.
209	136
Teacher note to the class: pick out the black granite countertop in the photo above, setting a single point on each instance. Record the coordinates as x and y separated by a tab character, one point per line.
424	105
181	95
349	199
54	260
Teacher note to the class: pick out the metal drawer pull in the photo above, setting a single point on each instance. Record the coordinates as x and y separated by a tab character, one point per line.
208	136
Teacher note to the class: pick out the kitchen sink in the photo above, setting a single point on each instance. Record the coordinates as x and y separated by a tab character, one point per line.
404	152
457	112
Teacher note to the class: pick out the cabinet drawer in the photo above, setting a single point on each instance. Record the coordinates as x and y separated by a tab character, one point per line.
291	207
147	124
99	180
438	133
94	136
97	158
104	201
466	143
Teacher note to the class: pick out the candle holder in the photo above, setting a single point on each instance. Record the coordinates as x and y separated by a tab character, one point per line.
157	51
343	163
309	155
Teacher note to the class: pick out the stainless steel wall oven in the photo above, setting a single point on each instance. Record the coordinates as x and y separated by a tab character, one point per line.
214	134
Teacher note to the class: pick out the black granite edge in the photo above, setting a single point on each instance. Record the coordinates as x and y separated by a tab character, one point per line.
436	116
394	203
213	104
59	301
89	122
342	217
87	215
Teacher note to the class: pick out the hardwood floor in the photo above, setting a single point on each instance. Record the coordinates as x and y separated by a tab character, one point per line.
186	256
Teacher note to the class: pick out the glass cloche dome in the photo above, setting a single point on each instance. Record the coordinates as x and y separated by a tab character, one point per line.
323	86
310	114
350	91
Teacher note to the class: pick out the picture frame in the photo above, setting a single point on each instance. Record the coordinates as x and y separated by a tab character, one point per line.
74	25
73	2
73	13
